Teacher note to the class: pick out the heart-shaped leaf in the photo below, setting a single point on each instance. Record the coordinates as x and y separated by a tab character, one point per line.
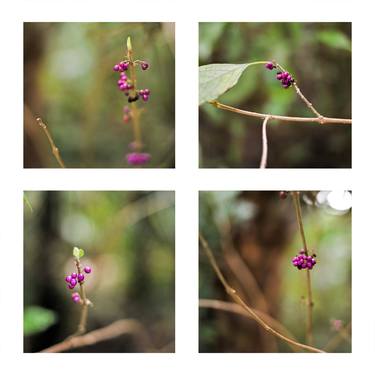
216	79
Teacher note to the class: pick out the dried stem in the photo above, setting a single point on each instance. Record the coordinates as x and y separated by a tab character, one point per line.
309	302
112	331
55	150
263	161
251	313
237	309
134	108
321	120
85	302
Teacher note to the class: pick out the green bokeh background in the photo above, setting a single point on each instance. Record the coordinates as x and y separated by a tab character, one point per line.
128	238
319	57
264	233
69	83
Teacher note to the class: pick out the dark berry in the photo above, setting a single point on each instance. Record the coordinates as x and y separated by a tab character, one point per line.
270	65
73	275
81	277
144	65
283	194
87	269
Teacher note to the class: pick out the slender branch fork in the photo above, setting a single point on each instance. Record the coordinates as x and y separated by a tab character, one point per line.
55	150
250	311
322	120
309	325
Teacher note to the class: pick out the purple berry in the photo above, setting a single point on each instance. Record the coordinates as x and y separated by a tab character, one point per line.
138	158
270	65
87	269
76	299
81	277
279	75
74	275
146	92
145	65
145	98
73	282
70	286
68	279
116	68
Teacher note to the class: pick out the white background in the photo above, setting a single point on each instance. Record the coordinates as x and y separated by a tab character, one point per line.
186	180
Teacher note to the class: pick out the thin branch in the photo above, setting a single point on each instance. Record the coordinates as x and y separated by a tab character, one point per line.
321	120
237	309
236	298
263	161
112	331
299	93
55	150
309	329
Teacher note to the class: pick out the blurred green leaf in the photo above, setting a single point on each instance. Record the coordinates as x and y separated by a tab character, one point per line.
37	319
27	202
216	79
335	39
209	34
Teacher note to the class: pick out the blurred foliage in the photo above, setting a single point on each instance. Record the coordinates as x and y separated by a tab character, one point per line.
37	319
318	56
254	236
128	238
70	84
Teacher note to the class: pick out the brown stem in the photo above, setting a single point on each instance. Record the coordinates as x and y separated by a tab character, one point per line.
263	161
84	301
237	309
251	313
321	120
112	331
134	108
309	325
55	150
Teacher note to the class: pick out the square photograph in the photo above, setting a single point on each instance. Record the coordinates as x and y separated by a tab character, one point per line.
99	272
275	272
99	95
275	95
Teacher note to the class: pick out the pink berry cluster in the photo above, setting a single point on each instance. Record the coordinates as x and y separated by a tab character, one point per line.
126	85
303	261
76	278
284	77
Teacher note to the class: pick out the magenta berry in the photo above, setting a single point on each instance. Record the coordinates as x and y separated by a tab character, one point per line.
270	65
138	158
303	261
73	275
75	297
70	286
81	277
73	282
87	269
68	279
145	65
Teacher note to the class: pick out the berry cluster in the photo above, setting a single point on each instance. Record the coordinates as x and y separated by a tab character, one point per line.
138	158
126	85
76	278
303	261
284	77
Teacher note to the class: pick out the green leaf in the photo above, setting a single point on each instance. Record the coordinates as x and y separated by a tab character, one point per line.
37	319
335	39
78	253
216	79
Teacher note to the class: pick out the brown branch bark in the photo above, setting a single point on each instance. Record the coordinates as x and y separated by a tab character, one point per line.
112	331
321	120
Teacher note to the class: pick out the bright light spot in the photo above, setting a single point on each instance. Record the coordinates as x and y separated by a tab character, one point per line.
340	200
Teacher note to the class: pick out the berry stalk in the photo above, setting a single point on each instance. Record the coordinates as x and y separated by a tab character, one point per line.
309	325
